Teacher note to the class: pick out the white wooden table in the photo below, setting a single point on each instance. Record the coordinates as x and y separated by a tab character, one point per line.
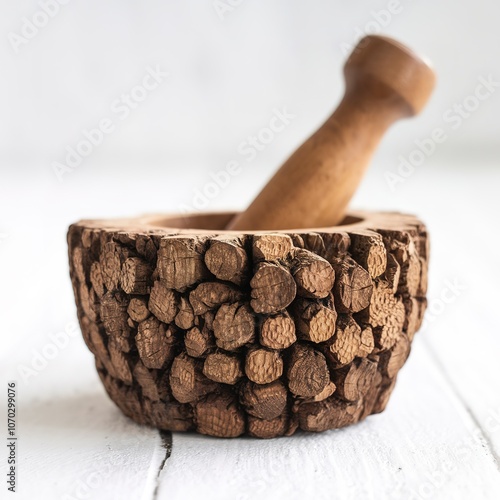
438	438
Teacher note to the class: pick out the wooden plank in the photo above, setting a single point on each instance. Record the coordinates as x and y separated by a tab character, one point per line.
73	442
461	327
454	339
80	446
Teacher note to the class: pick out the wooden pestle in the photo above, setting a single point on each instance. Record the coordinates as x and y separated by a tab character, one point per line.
385	81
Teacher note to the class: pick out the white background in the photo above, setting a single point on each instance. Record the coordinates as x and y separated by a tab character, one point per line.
226	78
227	75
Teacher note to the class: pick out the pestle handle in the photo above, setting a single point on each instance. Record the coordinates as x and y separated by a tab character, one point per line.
385	81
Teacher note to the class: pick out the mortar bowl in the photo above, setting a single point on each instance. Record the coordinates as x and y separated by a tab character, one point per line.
231	333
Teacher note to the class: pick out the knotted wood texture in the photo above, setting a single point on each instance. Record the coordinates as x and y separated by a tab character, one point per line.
260	334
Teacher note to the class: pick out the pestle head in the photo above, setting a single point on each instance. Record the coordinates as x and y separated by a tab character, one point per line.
400	74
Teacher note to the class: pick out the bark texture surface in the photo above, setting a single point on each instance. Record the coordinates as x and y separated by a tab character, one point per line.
260	334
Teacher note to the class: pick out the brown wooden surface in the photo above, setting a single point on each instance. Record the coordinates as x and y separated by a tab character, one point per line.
385	81
300	330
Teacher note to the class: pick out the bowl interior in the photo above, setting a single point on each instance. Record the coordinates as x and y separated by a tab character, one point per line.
217	221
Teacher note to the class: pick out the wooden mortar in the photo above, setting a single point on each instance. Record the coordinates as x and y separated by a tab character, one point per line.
252	332
263	332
